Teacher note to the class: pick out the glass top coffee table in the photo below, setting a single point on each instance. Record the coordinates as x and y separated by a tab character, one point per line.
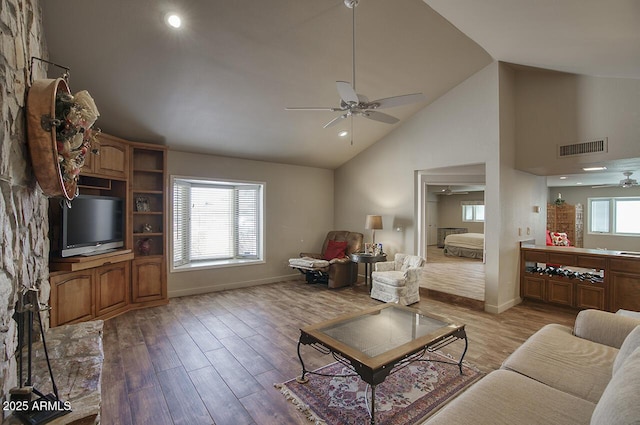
377	341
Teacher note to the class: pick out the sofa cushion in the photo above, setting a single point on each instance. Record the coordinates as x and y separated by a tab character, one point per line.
619	402
392	278
630	344
555	357
411	261
505	397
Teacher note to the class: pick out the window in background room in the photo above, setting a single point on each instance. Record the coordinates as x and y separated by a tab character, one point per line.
615	216
216	223
472	211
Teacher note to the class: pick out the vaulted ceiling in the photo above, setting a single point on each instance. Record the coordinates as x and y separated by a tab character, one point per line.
221	83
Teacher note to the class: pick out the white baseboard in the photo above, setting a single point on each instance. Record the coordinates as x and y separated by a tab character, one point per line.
232	285
502	307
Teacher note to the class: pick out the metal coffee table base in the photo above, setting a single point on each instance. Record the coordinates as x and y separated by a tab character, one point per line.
375	377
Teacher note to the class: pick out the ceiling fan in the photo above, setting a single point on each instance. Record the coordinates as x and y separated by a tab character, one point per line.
449	192
354	104
624	183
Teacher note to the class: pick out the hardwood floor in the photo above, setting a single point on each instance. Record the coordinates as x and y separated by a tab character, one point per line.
458	276
214	358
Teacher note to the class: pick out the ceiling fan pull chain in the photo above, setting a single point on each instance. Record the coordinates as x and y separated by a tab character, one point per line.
351	130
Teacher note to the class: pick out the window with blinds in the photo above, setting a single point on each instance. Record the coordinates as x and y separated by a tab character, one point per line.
615	216
472	211
216	220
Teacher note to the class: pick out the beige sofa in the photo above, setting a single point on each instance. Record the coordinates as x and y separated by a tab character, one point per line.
586	375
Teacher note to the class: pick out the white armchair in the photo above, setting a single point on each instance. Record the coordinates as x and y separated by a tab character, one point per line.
398	280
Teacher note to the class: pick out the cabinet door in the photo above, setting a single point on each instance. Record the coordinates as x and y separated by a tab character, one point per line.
534	288
625	291
113	160
148	279
560	292
590	296
72	296
112	287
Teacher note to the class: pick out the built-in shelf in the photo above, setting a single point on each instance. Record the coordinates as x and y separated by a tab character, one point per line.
104	285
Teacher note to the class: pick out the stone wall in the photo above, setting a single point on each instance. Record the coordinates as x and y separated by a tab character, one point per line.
24	245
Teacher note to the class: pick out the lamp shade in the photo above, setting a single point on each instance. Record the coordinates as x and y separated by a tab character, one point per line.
373	222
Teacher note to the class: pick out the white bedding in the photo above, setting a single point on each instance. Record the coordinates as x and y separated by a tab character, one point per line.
466	240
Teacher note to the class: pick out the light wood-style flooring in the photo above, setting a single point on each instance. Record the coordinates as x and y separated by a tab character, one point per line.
214	358
459	276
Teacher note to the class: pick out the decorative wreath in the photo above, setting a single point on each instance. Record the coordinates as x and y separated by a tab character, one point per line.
74	119
60	133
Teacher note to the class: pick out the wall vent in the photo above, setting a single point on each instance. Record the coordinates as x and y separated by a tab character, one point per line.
583	148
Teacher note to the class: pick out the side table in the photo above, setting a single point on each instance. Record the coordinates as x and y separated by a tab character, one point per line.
367	260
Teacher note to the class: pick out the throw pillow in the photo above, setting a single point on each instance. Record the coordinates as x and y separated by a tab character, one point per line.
559	239
335	249
549	240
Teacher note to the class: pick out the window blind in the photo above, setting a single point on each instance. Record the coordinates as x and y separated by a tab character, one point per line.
211	223
599	212
181	206
247	221
216	221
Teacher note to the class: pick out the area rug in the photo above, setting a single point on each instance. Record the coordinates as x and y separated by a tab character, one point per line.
406	397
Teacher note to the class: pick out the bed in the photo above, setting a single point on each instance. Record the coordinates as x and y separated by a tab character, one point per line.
469	245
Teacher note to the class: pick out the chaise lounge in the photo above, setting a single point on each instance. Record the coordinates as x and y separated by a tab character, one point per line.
337	269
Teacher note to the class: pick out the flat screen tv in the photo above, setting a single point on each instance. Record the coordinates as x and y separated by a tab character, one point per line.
91	225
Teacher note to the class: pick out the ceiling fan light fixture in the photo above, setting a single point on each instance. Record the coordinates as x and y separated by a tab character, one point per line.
351	3
173	20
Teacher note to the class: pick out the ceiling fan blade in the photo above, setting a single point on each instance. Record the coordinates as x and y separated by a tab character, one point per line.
347	93
311	108
379	116
392	102
335	121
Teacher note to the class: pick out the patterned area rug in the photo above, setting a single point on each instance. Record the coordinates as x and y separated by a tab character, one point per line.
406	397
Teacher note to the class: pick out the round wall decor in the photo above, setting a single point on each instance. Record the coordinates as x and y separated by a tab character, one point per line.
59	135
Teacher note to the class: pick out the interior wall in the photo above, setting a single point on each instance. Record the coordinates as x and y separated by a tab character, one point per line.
450	211
298	214
554	108
573	195
518	194
459	128
24	245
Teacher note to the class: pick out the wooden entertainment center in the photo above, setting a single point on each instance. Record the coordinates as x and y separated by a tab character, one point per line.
104	285
616	286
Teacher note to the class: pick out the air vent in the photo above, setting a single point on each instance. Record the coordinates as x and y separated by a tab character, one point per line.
584	148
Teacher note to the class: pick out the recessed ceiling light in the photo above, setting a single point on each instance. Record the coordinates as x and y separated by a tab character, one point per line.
343	133
563	178
173	20
578	182
594	168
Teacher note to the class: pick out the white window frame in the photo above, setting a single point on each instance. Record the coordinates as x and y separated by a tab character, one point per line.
473	205
237	260
612	200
